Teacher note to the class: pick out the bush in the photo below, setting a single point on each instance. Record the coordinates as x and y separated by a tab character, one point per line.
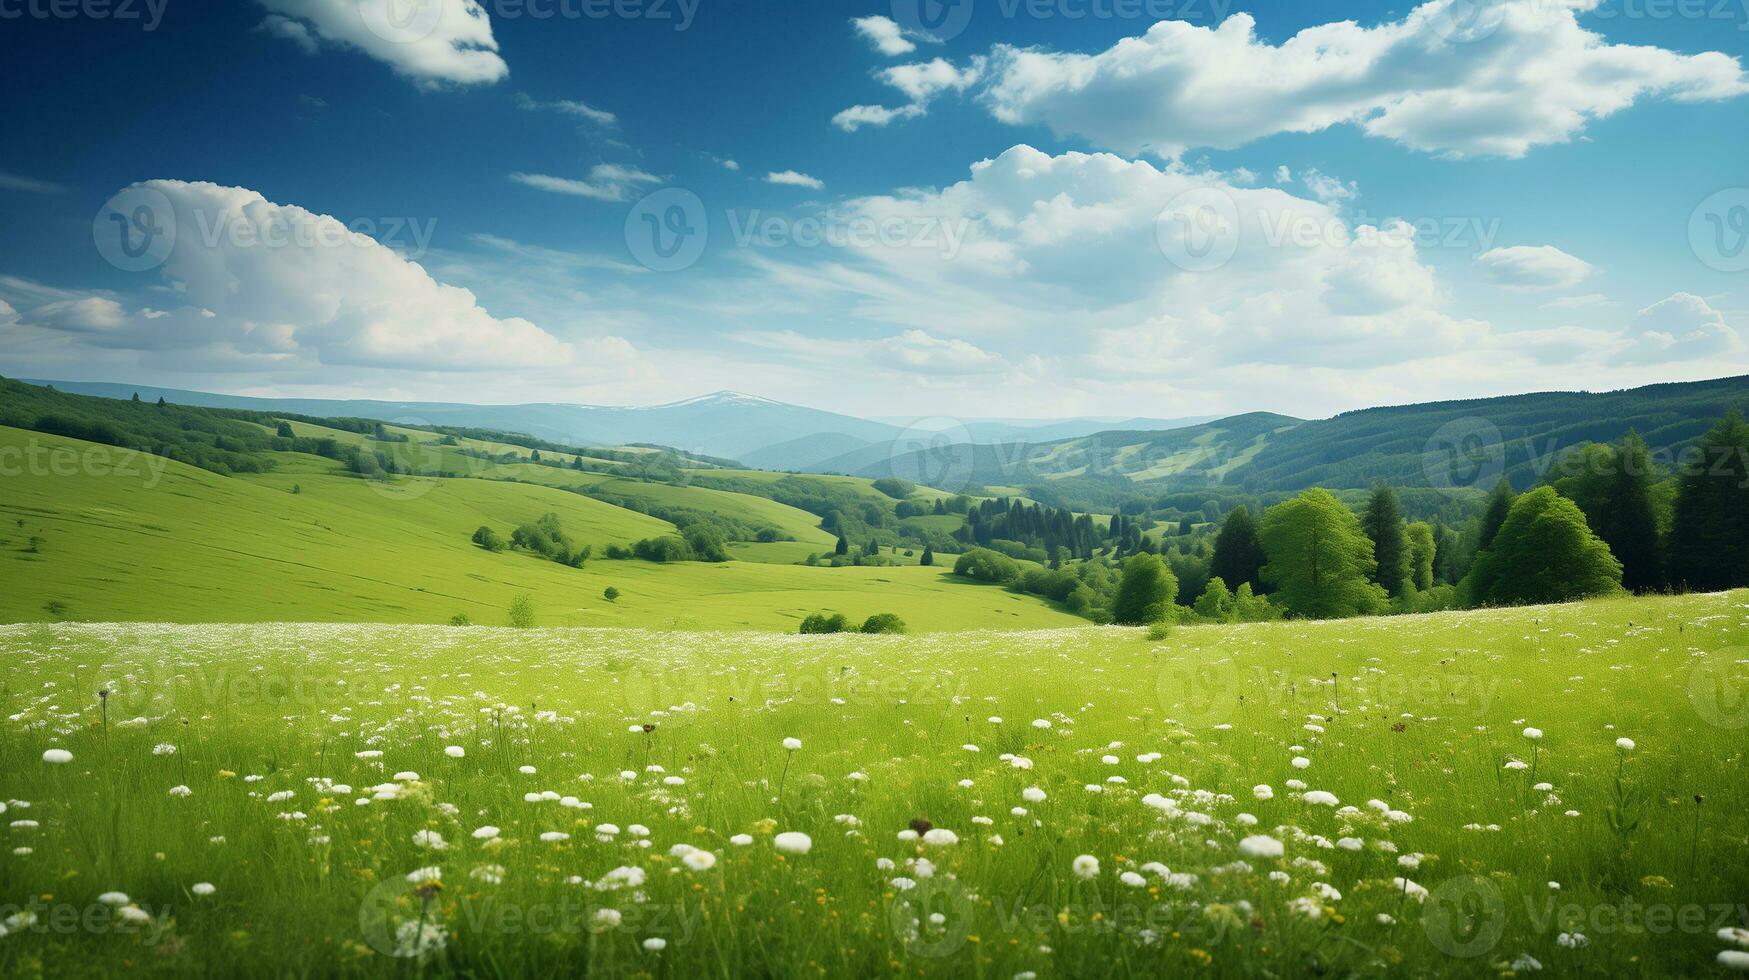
822	623
883	623
986	566
894	488
610	593
488	539
460	619
663	549
707	543
522	611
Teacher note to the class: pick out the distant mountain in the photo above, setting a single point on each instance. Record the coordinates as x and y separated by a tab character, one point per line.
1043	430
726	423
1470	443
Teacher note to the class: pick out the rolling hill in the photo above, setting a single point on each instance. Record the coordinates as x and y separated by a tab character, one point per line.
1455	443
102	533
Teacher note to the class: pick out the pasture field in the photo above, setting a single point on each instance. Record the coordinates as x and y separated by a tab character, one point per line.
1481	793
102	534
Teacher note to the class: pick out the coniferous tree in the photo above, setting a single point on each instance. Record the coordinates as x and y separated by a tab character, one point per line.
1711	521
843	547
1494	515
1383	523
928	556
1630	525
1238	556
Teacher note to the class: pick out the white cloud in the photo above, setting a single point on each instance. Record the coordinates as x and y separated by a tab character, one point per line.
1522	73
433	43
924	80
910	353
1041	240
88	314
570	107
294	31
1683	326
920	82
263	284
858	116
29	185
607	182
884	34
793	178
1533	267
1329	189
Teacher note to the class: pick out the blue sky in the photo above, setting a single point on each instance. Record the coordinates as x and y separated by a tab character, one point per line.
1006	215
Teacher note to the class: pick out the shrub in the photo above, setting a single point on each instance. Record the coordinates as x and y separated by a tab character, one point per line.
522	611
488	539
883	623
666	548
822	623
460	619
986	566
610	593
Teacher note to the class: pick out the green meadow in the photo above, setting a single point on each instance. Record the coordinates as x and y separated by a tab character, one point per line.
94	532
1498	792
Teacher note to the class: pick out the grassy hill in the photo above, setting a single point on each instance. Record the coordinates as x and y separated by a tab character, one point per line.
96	532
1518	436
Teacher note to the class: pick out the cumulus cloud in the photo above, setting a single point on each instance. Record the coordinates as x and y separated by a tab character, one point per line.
607	182
794	178
919	82
884	34
433	43
1683	326
1330	189
1533	267
1444	79
1031	241
857	116
271	284
294	31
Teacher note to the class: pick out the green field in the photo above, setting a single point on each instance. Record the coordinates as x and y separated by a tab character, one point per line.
121	535
302	773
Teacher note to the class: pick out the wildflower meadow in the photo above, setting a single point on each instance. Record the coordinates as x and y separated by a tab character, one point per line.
1501	792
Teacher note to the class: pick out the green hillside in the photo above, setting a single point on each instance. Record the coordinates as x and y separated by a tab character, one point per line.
1432	444
93	532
